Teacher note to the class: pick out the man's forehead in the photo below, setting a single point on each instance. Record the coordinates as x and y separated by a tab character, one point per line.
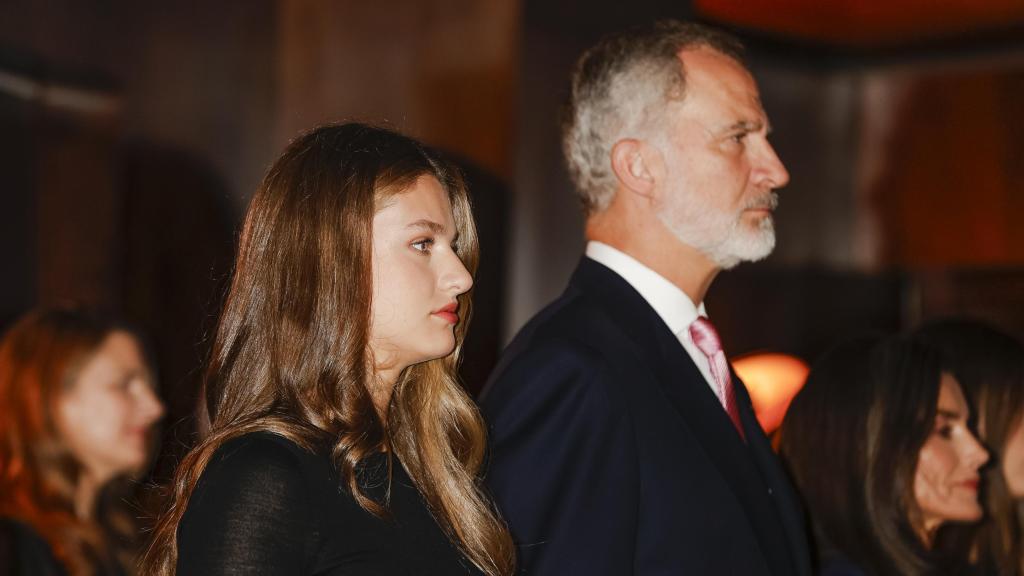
704	62
711	74
703	53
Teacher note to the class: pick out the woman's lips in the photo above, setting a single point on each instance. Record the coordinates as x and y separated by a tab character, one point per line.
971	484
448	313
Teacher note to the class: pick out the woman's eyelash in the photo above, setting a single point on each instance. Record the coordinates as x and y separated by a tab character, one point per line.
423	245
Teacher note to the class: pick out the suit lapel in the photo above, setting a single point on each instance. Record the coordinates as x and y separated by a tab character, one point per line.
680	380
741	466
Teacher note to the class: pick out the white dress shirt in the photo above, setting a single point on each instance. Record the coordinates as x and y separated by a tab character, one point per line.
672	304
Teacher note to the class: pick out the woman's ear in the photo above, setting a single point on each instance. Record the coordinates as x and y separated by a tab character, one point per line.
630	163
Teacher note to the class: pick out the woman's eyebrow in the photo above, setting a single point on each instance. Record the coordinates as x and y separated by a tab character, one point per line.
428	225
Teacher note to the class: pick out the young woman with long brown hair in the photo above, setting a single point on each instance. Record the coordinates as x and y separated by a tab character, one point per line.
341	441
77	411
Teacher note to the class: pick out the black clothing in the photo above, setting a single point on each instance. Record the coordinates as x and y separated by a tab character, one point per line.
266	507
23	552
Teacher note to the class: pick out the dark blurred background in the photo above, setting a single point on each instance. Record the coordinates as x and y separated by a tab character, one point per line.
133	133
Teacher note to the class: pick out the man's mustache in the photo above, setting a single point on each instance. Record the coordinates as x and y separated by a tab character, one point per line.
769	201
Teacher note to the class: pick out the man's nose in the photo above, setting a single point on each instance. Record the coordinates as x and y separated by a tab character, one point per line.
774	173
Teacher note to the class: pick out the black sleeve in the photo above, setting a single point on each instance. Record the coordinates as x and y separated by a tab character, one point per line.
250	513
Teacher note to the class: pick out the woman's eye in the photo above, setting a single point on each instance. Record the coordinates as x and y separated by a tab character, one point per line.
423	245
738	138
944	431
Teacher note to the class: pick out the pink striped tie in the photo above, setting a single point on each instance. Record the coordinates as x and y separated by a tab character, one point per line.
706	338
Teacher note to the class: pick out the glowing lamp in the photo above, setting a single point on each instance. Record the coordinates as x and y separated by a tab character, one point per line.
772	380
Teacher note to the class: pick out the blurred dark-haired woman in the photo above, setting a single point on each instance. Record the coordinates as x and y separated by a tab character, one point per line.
879	445
990	366
341	441
77	409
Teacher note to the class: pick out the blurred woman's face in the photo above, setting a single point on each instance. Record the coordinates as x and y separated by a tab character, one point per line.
1013	461
946	479
417	277
106	415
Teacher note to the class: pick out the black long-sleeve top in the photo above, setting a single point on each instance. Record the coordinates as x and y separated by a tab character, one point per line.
266	507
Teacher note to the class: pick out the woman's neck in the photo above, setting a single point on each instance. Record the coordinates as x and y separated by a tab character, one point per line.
381	389
926	534
85	496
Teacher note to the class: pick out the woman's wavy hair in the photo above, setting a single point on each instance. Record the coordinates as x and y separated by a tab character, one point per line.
291	351
851	439
41	356
989	365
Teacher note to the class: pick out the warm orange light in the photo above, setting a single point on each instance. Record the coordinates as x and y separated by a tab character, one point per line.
772	380
866	22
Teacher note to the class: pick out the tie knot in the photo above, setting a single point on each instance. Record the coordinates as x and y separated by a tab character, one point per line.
704	335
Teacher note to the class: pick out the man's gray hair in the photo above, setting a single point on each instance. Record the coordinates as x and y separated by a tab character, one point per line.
619	90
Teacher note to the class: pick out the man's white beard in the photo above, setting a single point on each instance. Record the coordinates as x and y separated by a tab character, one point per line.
723	237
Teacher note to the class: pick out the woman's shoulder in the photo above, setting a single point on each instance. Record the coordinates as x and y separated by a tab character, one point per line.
262	459
261	447
24	552
259	502
260	473
257	483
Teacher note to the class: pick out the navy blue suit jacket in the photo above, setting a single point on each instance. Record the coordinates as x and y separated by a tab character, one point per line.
610	454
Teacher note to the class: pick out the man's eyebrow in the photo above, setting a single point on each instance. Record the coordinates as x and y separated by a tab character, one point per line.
745	126
428	225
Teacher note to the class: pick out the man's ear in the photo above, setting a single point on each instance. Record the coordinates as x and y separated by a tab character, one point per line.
630	164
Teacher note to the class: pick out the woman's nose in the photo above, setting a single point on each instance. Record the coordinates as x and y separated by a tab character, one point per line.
457	278
150	406
977	453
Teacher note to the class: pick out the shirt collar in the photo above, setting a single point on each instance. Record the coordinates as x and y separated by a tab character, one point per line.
670	303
